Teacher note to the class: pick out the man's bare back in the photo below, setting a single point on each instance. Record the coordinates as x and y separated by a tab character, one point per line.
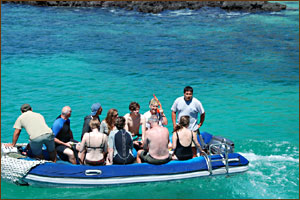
157	139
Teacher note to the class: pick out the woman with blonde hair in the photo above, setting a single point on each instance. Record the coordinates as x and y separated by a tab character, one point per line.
182	140
108	124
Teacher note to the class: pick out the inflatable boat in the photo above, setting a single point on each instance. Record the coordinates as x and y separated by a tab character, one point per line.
24	170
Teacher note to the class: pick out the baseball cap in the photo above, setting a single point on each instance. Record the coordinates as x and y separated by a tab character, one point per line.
95	107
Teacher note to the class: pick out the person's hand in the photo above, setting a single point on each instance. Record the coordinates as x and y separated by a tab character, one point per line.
170	146
199	125
9	145
138	143
68	145
174	127
141	144
202	153
161	111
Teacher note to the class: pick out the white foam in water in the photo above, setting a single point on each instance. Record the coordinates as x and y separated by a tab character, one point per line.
282	158
181	12
268	171
235	14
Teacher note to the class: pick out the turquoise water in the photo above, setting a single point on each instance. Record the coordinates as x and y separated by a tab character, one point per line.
244	68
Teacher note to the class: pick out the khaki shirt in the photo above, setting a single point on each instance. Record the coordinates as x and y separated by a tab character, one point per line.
34	124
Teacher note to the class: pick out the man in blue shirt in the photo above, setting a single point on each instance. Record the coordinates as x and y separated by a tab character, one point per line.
64	136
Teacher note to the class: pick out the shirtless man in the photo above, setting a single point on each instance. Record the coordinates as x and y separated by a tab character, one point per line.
133	122
155	144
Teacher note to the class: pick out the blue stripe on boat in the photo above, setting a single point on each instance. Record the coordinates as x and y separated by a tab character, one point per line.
173	167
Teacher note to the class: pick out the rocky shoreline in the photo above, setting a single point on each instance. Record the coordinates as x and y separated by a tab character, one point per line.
159	6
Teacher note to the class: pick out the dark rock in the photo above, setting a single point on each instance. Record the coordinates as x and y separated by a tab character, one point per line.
273	7
159	6
252	6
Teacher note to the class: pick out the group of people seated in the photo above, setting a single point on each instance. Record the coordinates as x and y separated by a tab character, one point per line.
114	140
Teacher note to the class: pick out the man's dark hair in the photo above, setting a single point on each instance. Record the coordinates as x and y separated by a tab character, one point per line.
120	123
188	88
25	107
133	106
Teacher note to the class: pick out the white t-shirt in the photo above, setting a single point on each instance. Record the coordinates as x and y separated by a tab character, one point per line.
188	108
34	124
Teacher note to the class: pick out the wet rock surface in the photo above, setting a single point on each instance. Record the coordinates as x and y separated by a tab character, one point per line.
159	6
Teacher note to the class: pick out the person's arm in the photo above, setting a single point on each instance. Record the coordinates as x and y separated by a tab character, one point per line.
196	142
15	138
102	127
143	119
109	159
202	118
82	144
71	134
18	127
174	141
126	122
85	128
82	150
56	128
164	118
58	141
105	145
174	119
146	143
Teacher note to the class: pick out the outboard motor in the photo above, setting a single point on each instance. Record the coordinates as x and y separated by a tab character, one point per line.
217	149
206	140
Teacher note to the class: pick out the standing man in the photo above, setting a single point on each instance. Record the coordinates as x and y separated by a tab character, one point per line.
162	119
96	111
190	106
155	144
64	136
133	122
38	131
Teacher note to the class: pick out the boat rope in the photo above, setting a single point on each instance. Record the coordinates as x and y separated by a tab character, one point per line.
14	169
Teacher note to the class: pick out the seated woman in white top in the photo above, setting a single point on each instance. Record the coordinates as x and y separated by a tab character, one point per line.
95	144
108	124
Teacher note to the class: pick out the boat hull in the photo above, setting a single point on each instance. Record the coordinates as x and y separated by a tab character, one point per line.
68	175
42	181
